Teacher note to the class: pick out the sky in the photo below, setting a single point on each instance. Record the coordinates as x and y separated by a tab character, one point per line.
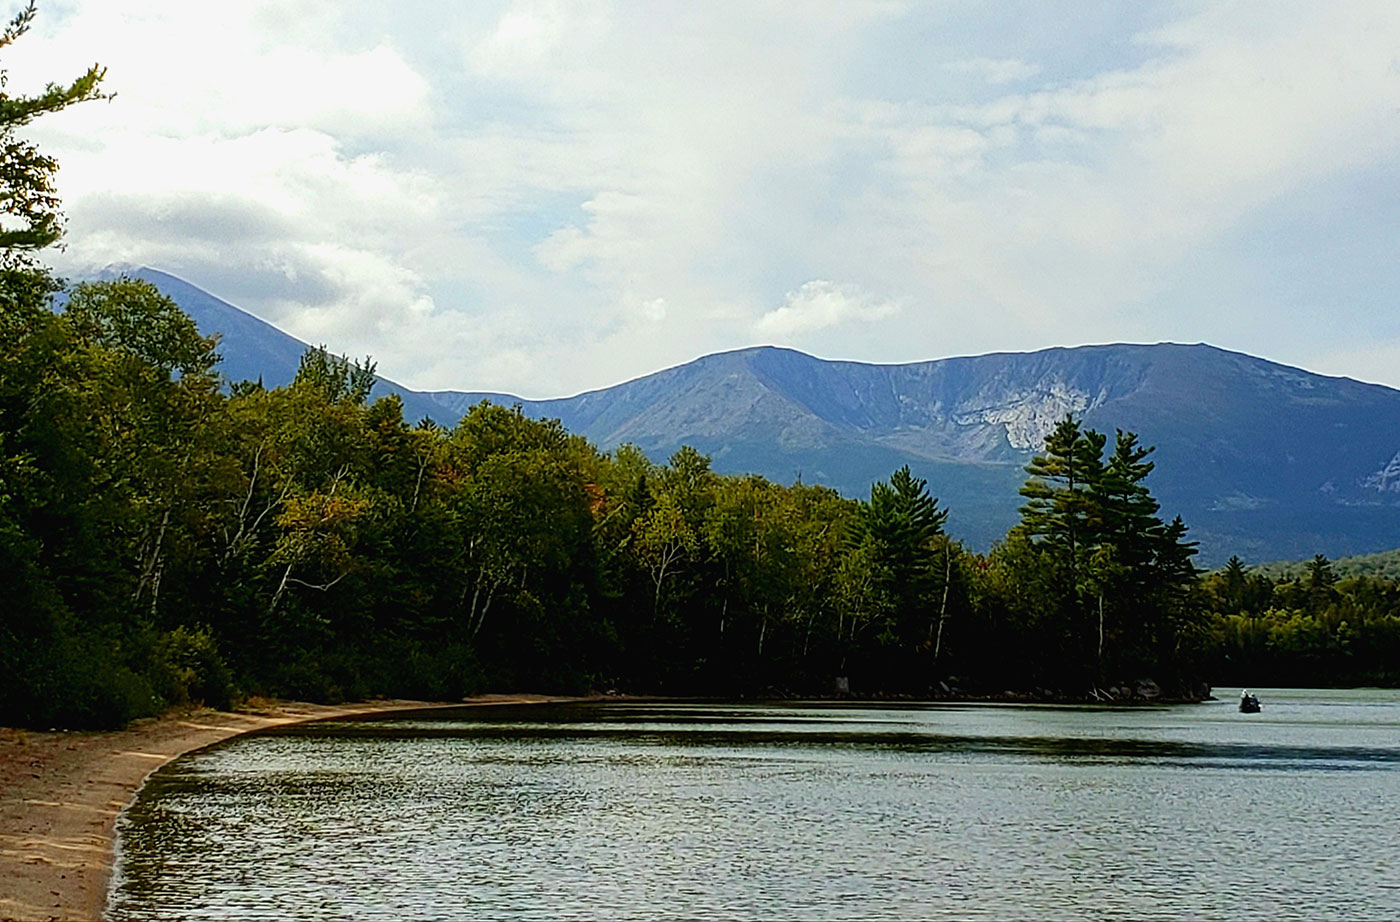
541	198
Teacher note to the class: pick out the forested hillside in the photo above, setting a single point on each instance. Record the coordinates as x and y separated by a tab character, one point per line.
1311	626
1385	565
1264	460
169	536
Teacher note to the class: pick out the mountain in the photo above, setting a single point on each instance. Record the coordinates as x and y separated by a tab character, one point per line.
254	349
1262	460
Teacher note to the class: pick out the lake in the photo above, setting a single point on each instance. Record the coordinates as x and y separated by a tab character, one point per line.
647	810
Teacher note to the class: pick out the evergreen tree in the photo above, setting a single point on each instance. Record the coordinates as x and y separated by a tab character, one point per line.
1128	513
899	526
1235	582
1063	508
28	194
1122	573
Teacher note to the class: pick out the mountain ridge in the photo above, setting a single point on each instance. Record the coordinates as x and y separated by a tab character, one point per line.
1260	458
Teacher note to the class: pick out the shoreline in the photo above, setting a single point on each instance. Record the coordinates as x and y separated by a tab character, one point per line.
62	791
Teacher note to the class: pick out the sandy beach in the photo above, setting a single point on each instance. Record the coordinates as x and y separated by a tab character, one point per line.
62	793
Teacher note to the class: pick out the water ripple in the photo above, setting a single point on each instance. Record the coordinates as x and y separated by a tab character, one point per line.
714	811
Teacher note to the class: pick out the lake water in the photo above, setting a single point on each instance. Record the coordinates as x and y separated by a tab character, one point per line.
654	810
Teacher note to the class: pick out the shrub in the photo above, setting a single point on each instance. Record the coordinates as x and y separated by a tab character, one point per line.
189	662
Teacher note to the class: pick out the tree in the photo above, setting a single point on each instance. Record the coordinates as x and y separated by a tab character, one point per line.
1126	510
28	194
819	517
1234	580
152	427
1320	577
664	541
317	536
1121	572
336	376
132	316
1061	507
895	539
748	530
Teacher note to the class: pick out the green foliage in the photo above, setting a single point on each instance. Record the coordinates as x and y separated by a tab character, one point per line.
335	376
1115	577
1314	628
331	550
334	551
132	316
1384	565
28	196
193	671
1061	508
901	562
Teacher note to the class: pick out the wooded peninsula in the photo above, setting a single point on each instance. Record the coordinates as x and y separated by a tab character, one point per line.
168	536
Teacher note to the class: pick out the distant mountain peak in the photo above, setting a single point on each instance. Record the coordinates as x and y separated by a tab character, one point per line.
1261	459
117	269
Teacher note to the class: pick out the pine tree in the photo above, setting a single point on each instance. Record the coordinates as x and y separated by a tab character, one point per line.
28	195
1063	509
1128	511
898	528
1122	573
1236	581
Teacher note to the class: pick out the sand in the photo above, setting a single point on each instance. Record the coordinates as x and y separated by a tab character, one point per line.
60	794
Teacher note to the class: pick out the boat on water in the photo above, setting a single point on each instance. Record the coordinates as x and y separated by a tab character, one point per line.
1249	704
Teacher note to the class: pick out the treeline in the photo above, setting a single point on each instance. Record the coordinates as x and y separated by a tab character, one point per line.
169	537
166	539
1384	565
1316	628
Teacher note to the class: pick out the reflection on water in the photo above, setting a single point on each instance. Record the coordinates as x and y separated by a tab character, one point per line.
630	810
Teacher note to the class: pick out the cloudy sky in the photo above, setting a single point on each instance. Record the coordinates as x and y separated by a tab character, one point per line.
546	197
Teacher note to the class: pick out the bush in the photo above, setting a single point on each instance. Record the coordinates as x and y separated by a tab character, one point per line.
189	664
75	684
107	698
449	672
304	679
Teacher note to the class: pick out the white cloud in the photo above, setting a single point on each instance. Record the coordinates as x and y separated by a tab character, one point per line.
547	196
183	69
529	36
820	304
995	70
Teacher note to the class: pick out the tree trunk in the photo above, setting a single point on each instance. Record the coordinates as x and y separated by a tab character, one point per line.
477	616
943	605
281	588
155	589
246	526
418	484
1100	633
152	566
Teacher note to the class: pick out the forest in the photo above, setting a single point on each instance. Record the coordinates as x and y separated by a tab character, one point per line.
168	536
171	537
